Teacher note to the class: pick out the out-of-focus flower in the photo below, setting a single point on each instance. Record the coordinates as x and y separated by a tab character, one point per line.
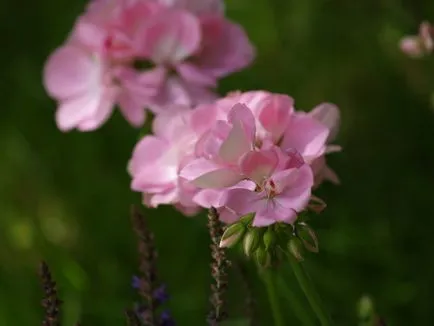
142	54
417	46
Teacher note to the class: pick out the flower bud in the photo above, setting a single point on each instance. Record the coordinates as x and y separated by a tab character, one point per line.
295	247
269	238
252	241
232	235
263	257
308	237
247	219
366	308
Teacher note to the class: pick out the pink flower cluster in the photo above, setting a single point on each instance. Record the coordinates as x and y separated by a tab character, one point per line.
417	46
245	153
141	54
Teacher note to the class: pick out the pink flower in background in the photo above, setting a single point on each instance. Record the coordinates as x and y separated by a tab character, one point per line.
183	46
417	46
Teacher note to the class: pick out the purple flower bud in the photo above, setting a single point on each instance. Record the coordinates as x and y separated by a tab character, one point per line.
160	294
166	319
135	282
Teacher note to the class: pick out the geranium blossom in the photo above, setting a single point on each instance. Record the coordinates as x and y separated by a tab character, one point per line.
142	54
246	153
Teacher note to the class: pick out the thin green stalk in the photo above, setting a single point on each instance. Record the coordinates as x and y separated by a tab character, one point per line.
310	292
268	278
304	316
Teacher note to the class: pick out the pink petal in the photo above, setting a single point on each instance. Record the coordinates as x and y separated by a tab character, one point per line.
207	174
273	211
188	210
295	160
328	114
155	178
71	113
262	220
173	91
241	113
297	189
171	124
259	165
275	114
169	197
241	137
306	135
136	92
209	144
132	110
102	114
89	33
218	179
225	47
70	71
172	36
147	151
241	201
203	118
210	198
197	6
191	73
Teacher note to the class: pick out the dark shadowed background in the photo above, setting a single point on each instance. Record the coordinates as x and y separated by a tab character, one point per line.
66	197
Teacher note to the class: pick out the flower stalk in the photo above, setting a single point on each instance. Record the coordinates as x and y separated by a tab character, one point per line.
309	291
51	301
269	280
219	266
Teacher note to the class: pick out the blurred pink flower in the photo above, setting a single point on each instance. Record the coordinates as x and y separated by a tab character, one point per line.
185	46
417	46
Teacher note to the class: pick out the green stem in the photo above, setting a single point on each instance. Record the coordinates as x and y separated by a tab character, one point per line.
303	315
268	278
310	292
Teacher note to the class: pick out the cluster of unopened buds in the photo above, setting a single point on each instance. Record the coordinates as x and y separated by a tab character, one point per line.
248	154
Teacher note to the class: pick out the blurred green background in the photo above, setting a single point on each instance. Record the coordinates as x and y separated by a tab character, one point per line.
65	197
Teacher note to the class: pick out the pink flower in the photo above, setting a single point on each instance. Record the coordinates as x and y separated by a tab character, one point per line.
279	194
417	46
246	153
186	46
158	159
